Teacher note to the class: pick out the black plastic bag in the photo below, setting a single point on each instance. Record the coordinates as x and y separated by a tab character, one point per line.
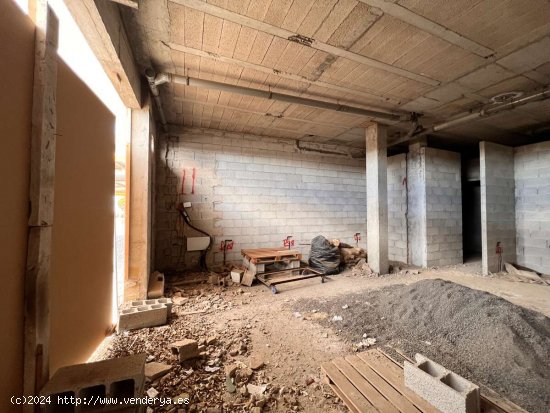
324	256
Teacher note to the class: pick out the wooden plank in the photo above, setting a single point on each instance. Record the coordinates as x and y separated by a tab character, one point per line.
102	26
355	398
293	36
344	398
491	399
394	376
41	195
366	388
382	386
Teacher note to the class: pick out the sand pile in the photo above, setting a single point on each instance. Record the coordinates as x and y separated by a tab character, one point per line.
480	336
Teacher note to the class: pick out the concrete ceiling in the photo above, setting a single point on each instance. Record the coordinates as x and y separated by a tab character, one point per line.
437	57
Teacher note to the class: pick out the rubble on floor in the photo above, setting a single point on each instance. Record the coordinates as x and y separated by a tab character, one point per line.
524	275
482	337
190	358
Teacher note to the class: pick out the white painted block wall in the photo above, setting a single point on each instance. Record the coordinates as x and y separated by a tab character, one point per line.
257	190
497	204
532	194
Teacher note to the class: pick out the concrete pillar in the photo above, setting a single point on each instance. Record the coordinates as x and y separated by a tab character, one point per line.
498	213
140	205
377	198
416	207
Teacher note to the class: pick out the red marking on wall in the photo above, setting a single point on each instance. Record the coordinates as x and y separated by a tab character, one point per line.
194	176
227	246
183	182
288	242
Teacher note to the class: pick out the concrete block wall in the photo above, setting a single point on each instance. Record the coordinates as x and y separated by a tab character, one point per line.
532	195
497	204
255	191
443	207
397	208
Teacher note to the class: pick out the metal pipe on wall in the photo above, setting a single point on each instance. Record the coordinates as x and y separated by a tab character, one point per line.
489	111
151	80
208	84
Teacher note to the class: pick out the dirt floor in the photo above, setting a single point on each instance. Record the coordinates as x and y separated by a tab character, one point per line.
248	327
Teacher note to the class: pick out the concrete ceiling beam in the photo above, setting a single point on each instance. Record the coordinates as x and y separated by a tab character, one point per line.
104	30
225	14
424	24
284	75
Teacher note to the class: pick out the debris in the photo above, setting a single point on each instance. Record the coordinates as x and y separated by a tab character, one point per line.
297	314
248	278
179	300
230	370
255	363
337	318
362	269
366	343
211	369
229	385
310	380
256	390
350	256
155	370
183	398
152	392
523	274
185	349
345	306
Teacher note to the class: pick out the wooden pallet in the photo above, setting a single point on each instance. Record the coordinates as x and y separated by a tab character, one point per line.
373	382
270	255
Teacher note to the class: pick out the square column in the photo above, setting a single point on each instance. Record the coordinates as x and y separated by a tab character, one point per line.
377	198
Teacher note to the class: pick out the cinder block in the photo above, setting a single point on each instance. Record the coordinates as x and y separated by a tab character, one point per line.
445	390
155	289
115	378
185	349
144	313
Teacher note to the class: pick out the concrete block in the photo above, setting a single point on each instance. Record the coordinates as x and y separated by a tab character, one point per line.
115	378
155	289
144	313
237	275
185	349
155	370
445	390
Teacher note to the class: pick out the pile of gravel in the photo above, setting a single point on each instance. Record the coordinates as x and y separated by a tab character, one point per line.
484	338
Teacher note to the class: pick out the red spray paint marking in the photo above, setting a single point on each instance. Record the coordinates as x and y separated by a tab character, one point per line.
194	175
183	182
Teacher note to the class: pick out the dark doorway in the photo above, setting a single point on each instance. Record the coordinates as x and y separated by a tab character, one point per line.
471	209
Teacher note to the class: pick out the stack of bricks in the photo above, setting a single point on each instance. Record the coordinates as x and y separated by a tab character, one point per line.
443	207
532	196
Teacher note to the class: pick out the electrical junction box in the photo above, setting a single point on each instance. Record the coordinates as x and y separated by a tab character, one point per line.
197	243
